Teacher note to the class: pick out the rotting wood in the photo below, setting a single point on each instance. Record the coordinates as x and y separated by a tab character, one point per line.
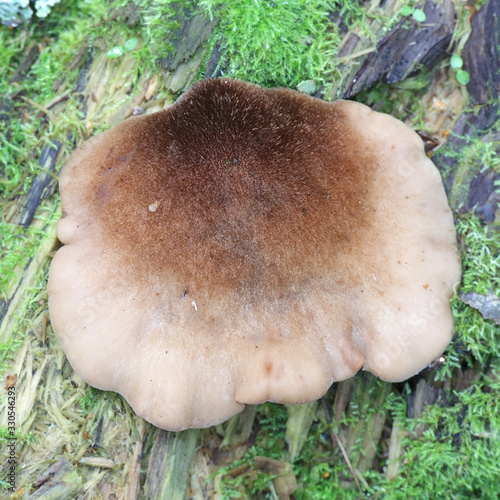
481	55
335	438
26	279
402	50
469	125
60	482
31	55
373	432
471	187
423	395
193	32
134	472
284	482
189	41
169	463
395	450
239	428
97	462
342	396
468	184
40	183
370	395
487	305
300	419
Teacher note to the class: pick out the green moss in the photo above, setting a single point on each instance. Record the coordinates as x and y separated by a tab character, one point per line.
322	472
269	442
66	40
467	156
61	34
8	350
459	452
161	19
268	43
481	256
13	151
477	339
90	24
275	43
91	399
6	436
18	245
401	100
9	55
23	249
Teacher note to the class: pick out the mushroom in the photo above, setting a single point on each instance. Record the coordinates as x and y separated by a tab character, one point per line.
249	245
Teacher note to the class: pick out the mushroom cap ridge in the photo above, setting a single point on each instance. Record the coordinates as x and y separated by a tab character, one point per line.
250	244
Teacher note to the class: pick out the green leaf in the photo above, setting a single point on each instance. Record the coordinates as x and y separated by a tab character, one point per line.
406	10
130	44
463	77
115	51
419	15
456	61
307	86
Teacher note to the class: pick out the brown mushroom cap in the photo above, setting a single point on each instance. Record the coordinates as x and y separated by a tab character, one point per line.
250	245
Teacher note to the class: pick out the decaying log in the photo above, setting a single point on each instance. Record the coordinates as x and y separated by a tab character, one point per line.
406	47
397	54
60	480
169	462
41	185
469	184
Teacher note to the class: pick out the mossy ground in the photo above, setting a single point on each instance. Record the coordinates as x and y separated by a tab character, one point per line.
452	447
